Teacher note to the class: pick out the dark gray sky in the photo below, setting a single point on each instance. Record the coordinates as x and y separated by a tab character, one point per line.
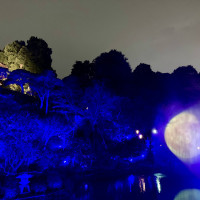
162	33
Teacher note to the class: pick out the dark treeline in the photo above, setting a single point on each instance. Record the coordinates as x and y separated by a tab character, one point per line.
89	117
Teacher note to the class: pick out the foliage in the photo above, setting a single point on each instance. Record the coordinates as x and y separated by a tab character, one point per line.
19	77
34	57
84	71
45	85
89	115
112	65
41	53
17	142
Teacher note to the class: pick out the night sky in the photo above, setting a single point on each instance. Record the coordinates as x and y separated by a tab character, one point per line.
162	33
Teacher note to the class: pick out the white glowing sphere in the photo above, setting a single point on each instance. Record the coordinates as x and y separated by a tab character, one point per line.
182	136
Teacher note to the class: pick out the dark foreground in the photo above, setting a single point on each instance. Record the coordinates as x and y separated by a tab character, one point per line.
177	184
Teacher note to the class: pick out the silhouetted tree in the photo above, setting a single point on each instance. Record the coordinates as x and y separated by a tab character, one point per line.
41	53
185	83
113	69
143	75
143	80
84	71
185	71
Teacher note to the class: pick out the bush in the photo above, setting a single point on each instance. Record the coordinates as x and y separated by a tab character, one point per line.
39	187
54	181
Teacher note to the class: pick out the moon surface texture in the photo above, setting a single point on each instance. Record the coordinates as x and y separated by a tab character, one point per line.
182	135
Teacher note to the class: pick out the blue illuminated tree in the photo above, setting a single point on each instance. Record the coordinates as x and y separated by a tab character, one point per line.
101	108
45	85
3	73
16	138
19	77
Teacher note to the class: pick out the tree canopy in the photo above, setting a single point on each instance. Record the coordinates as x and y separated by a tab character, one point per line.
34	57
111	65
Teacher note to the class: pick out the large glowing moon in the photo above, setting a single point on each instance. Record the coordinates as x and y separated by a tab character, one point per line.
189	194
182	136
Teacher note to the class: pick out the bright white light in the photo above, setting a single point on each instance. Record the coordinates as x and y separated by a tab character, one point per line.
158	177
137	131
140	136
65	161
182	135
158	184
154	131
87	108
198	148
142	184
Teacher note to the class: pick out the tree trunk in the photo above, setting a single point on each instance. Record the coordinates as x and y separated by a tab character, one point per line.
22	88
47	103
41	101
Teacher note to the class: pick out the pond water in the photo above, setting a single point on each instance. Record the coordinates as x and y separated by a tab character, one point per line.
157	186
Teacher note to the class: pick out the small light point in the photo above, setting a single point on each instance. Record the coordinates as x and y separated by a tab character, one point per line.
154	131
137	131
140	136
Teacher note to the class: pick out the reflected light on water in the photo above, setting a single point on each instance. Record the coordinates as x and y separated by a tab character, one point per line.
142	184
189	194
118	185
158	178
131	179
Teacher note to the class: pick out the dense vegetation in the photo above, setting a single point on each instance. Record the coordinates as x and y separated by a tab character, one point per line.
88	119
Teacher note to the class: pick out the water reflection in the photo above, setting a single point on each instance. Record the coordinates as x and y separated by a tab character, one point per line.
142	184
118	185
158	178
97	187
131	179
